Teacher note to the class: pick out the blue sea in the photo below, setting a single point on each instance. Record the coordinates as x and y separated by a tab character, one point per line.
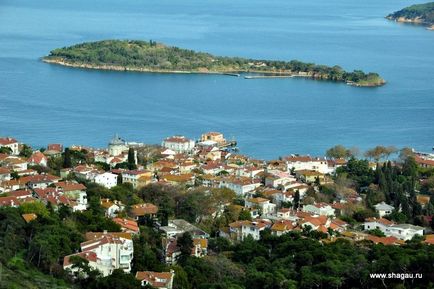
42	103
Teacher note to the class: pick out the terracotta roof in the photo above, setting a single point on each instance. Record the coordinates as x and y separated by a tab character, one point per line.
37	157
87	255
144	209
429	239
127	224
423	199
71	186
92	236
7	141
238	224
177	139
136	172
4	171
282	226
55	147
384	240
258	200
309	173
423	161
20	194
178	178
106	203
381	221
202	242
212	133
9	201
155	279
29	217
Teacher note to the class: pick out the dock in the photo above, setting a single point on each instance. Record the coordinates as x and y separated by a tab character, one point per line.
267	76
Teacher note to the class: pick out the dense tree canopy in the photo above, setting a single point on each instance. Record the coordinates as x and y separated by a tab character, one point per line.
149	56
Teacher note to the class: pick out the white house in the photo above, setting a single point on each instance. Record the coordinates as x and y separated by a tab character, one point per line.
133	176
321	209
278	178
400	231
179	144
254	228
107	179
37	159
263	205
241	186
112	208
10	143
159	280
383	209
298	163
105	252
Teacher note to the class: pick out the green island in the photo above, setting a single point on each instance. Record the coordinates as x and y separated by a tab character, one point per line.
150	56
418	14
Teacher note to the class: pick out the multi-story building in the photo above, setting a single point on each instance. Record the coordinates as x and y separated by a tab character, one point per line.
105	252
179	144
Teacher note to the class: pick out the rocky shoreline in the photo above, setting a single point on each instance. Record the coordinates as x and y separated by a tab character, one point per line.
268	74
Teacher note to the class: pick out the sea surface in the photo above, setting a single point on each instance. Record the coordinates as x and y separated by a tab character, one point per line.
42	103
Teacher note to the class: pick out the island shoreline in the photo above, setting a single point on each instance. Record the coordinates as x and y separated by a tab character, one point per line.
260	73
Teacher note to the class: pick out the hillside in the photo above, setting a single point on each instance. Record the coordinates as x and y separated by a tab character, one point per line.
155	57
19	274
418	14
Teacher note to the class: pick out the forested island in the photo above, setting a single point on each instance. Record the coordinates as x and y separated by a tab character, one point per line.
419	14
150	56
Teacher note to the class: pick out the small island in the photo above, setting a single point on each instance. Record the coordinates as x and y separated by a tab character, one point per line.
422	14
150	56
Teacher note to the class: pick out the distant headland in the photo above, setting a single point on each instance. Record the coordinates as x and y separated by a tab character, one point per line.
150	56
422	14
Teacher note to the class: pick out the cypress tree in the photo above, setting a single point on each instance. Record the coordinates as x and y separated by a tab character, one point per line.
67	163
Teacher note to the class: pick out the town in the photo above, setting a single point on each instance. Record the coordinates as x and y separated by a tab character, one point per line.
148	210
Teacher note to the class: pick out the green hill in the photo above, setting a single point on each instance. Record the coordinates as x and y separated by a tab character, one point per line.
155	57
419	14
18	274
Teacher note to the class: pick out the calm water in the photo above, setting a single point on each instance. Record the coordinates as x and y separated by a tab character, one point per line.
41	103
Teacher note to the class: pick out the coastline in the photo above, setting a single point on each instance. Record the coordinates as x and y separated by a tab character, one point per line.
415	21
264	74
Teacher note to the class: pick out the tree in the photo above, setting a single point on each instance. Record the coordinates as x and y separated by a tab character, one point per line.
361	215
296	201
26	151
380	152
117	280
185	244
5	150
339	152
376	232
397	217
67	163
404	153
145	258
15	175
245	215
36	207
131	159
